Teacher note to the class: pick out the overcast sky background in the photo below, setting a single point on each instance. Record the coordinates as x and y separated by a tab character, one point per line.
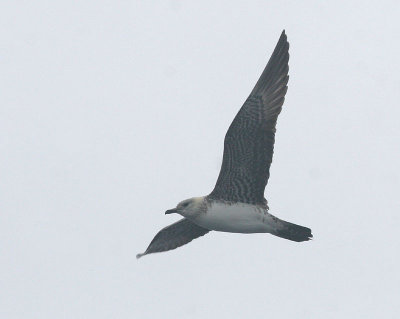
112	112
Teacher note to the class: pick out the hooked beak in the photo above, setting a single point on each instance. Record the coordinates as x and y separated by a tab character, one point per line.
171	211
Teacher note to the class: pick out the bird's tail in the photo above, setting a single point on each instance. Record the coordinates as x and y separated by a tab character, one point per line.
291	231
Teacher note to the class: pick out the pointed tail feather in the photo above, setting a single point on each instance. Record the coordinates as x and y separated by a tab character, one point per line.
292	231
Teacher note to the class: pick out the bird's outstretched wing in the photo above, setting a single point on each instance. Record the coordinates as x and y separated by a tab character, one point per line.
174	236
249	142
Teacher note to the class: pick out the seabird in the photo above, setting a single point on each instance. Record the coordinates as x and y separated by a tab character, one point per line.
237	203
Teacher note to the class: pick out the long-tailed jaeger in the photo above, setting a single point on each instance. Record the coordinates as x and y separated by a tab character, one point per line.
237	203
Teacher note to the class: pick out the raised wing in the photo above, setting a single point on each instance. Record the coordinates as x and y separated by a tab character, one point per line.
174	236
249	142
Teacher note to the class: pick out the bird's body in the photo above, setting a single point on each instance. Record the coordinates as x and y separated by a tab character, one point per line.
231	217
237	202
234	218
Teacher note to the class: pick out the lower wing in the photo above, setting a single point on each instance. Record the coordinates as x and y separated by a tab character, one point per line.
174	236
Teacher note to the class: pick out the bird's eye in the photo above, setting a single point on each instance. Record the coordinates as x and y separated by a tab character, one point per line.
185	204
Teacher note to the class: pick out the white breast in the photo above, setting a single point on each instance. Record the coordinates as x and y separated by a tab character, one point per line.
235	218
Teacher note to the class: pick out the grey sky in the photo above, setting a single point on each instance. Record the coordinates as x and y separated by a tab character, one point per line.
113	111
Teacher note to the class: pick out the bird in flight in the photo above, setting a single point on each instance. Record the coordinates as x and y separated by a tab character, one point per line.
237	202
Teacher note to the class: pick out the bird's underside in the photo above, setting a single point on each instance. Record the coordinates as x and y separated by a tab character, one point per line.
248	151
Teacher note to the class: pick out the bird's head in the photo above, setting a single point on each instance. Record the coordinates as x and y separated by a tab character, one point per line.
189	208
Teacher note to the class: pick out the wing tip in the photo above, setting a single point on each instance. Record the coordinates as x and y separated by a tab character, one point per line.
283	40
283	36
138	256
276	68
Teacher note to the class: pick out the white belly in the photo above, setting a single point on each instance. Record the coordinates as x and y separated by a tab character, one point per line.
235	218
